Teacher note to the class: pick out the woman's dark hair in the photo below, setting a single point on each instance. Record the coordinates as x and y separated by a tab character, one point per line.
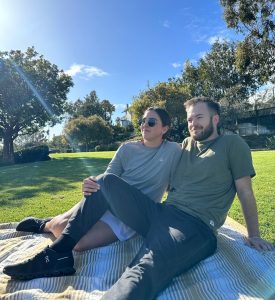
163	115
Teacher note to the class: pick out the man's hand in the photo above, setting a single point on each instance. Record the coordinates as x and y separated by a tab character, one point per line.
258	243
90	186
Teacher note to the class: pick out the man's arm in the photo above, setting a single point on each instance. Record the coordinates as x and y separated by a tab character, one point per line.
249	207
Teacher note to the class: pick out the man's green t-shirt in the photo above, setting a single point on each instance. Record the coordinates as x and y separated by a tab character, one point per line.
203	185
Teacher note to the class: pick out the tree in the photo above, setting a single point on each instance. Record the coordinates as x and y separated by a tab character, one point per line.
33	93
191	80
91	105
30	140
87	107
59	143
168	95
217	77
255	19
84	130
108	110
121	133
118	122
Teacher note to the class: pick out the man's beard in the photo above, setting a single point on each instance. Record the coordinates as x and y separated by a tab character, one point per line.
205	133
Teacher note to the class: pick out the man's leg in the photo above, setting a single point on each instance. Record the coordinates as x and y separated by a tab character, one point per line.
173	245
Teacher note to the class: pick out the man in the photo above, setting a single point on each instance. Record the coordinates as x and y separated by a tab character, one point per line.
178	233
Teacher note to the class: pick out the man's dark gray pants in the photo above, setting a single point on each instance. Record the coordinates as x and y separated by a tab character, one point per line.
173	240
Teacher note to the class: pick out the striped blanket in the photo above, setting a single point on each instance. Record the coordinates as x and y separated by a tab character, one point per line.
235	271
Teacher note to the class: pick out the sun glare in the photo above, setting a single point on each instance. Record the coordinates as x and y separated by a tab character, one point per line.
5	15
7	23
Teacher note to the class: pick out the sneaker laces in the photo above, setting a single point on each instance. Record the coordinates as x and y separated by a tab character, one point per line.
43	253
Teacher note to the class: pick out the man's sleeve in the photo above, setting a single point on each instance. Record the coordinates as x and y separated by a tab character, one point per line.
240	158
175	158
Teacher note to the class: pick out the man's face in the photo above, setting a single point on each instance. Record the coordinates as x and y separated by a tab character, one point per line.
202	123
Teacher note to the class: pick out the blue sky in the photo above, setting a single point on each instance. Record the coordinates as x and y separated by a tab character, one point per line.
115	47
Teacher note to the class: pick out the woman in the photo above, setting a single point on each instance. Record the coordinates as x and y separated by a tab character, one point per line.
147	165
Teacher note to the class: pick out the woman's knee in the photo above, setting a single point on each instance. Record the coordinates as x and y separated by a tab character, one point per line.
79	247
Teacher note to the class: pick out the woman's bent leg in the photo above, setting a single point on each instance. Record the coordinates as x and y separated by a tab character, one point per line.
59	222
99	235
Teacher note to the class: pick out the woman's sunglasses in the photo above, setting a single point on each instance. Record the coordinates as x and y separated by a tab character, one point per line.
151	122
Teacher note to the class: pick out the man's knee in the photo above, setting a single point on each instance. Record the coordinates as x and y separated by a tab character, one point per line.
109	185
107	179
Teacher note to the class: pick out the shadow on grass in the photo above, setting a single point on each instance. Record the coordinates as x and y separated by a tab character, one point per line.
50	177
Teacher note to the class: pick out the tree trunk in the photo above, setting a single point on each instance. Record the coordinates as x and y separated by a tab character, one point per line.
8	151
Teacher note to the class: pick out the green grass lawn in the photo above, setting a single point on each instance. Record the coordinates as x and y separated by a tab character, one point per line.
48	188
264	190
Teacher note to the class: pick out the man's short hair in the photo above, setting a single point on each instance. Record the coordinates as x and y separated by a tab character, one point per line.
211	104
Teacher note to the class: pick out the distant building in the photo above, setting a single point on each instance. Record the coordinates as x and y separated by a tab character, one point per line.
261	119
126	120
251	129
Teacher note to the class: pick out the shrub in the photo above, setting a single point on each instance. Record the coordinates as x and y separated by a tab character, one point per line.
113	146
110	147
101	148
37	153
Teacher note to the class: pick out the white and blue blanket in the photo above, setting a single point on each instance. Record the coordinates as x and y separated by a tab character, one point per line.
235	271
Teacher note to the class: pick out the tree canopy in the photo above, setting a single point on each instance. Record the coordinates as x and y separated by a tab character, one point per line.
217	76
85	130
91	105
169	95
59	144
255	19
33	93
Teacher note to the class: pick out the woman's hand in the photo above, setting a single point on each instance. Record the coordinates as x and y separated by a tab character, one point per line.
90	186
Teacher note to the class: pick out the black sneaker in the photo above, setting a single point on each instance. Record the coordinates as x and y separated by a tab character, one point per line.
32	224
47	263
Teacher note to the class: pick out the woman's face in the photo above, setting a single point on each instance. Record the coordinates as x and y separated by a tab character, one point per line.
151	126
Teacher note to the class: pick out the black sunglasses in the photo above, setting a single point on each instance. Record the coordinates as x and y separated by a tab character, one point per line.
151	122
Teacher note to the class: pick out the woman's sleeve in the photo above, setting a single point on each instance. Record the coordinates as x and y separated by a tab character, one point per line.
116	164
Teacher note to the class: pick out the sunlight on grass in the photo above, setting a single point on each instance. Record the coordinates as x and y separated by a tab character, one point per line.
49	187
103	154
